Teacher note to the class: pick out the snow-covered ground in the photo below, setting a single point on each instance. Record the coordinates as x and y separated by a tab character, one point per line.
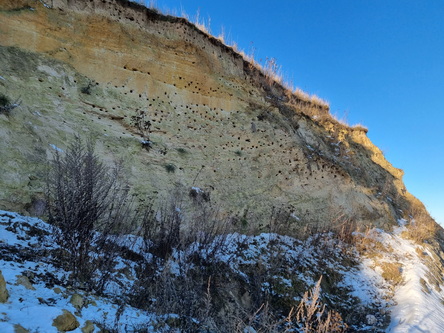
419	306
38	292
35	305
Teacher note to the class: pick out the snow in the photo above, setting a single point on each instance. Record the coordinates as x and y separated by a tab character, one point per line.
363	281
417	310
36	309
414	305
53	146
197	189
24	307
44	4
49	71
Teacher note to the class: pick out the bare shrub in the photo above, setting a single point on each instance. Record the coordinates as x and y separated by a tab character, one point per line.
167	233
174	277
84	196
280	221
344	226
143	125
170	168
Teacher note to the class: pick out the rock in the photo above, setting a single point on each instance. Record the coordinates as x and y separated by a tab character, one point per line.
91	302
88	327
246	299
4	295
57	290
66	322
371	320
24	281
77	301
20	329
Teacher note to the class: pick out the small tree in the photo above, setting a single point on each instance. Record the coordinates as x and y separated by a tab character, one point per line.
83	195
143	125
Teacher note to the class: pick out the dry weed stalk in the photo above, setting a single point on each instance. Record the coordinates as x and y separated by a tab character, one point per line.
312	317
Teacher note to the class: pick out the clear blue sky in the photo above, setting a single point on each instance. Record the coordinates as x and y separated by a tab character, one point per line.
378	62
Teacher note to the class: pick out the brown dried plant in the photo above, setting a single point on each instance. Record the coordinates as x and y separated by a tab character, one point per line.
313	317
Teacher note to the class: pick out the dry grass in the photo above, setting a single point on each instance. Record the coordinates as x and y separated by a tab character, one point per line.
306	97
302	95
392	272
201	24
360	127
318	101
367	244
309	316
312	316
422	227
272	71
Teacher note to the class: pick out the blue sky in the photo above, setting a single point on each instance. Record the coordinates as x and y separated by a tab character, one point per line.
379	63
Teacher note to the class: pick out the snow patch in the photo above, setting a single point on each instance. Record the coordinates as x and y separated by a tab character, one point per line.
48	70
53	146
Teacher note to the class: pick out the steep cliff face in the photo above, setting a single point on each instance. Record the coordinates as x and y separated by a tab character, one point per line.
217	122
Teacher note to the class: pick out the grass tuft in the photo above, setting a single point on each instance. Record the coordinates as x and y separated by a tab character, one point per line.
170	168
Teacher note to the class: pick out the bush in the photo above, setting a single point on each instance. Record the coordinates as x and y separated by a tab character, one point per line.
84	196
4	100
170	168
6	105
182	151
86	89
174	278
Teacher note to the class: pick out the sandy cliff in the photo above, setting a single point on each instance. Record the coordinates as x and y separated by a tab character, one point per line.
87	67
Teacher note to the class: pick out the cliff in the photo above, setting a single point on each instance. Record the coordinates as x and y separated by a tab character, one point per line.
247	180
218	122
